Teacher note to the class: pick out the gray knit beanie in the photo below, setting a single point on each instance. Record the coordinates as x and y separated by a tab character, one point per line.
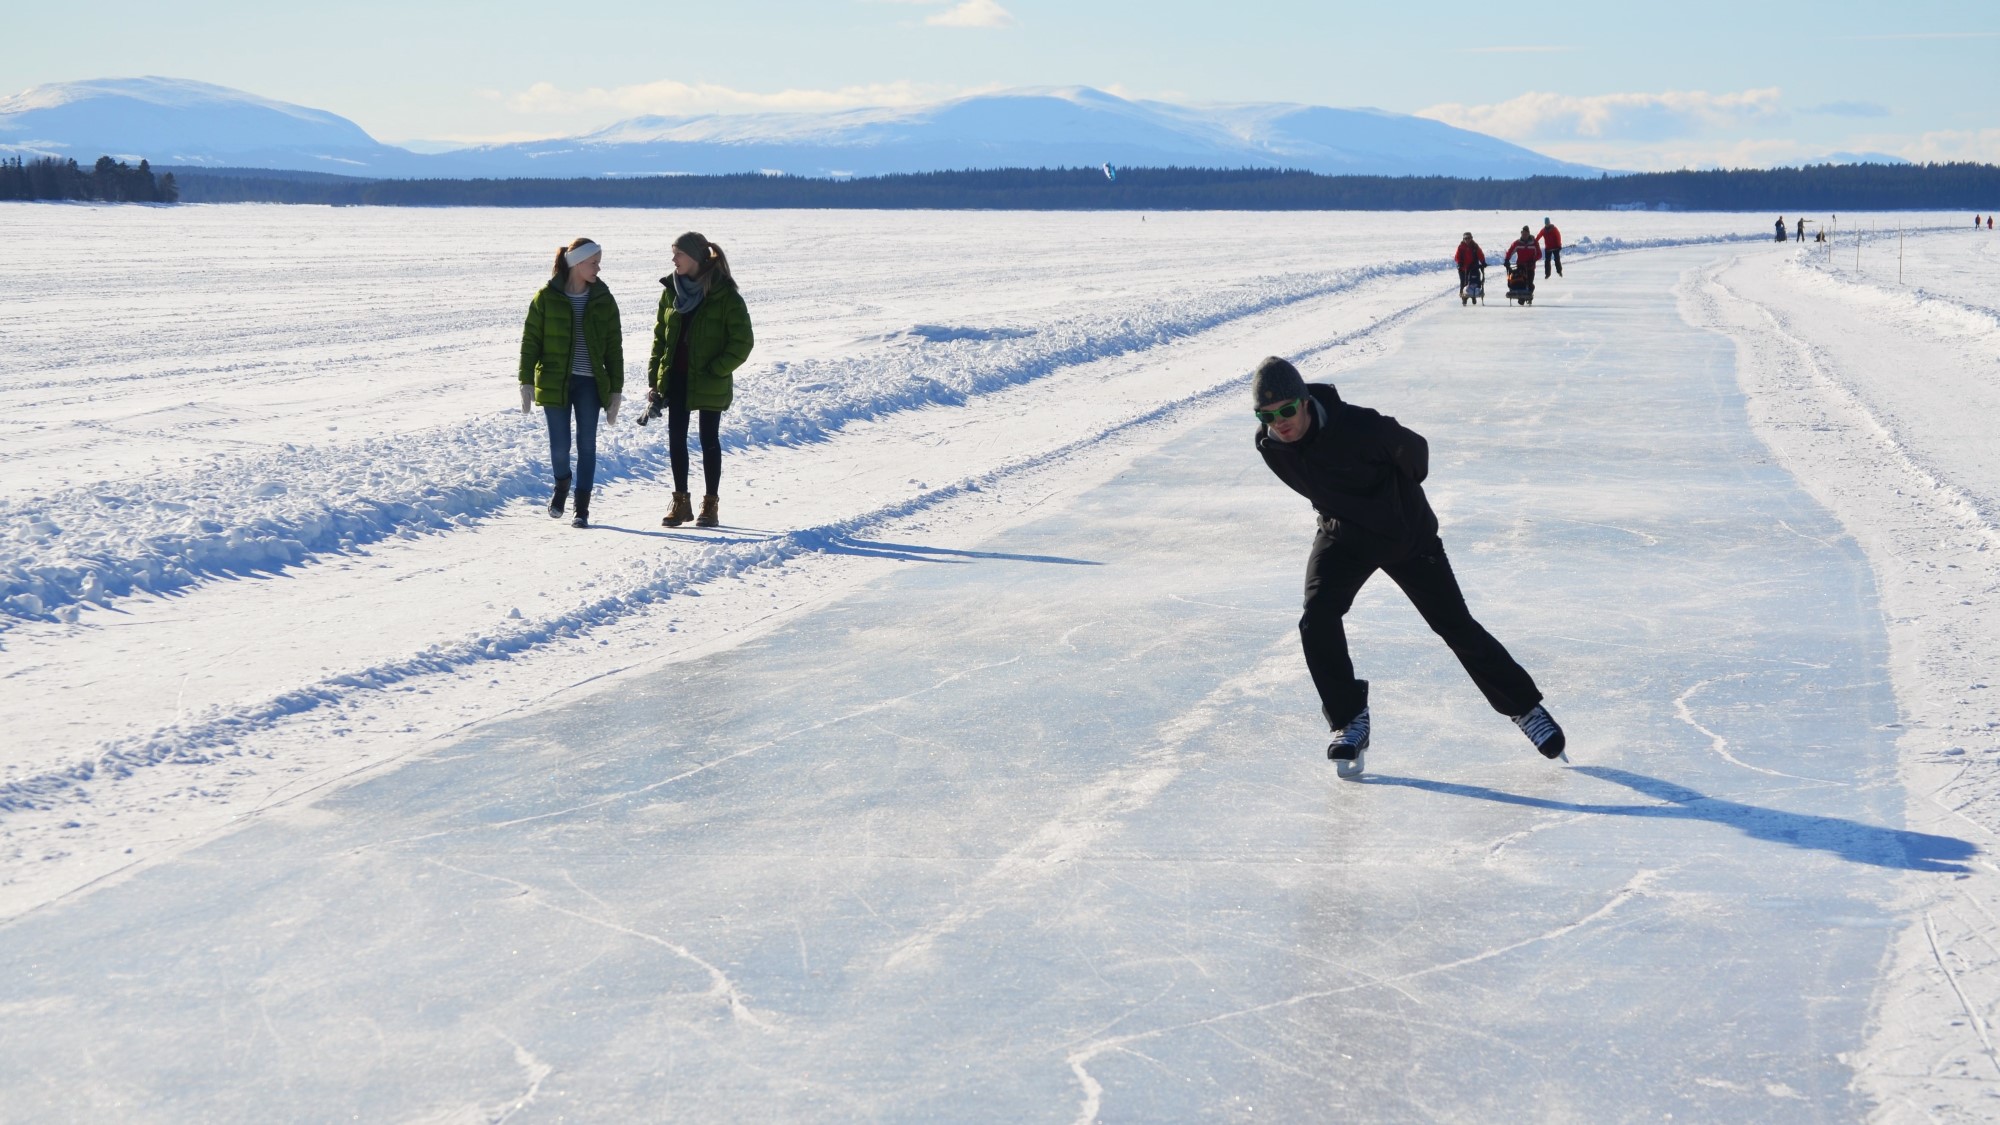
1276	381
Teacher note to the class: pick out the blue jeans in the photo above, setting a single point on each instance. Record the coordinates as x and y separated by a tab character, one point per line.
582	400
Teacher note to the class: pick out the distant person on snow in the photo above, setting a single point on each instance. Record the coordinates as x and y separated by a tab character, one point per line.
1552	248
1802	230
701	336
1470	259
1526	253
573	363
1364	475
1781	229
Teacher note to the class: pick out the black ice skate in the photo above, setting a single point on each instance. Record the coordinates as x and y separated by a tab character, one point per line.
1542	730
1349	746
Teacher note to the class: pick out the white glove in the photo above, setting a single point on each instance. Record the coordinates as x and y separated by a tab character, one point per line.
527	398
611	406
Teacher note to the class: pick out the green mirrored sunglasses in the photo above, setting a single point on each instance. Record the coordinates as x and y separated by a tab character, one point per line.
1285	411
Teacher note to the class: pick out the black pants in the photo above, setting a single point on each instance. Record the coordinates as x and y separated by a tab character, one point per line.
1334	574
711	446
1552	262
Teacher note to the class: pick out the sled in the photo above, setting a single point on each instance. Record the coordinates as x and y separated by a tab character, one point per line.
1473	292
1521	285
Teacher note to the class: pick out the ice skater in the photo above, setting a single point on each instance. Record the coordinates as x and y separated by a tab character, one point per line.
1552	248
1364	475
573	364
702	335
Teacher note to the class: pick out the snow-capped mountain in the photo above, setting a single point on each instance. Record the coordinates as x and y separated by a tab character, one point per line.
179	122
1054	127
175	121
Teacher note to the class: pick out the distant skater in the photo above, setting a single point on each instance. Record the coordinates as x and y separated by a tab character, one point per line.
573	364
1471	263
1364	475
701	336
1519	260
1552	248
1802	230
1781	230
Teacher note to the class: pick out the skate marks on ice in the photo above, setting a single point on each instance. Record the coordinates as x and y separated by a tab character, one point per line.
1097	809
1093	1092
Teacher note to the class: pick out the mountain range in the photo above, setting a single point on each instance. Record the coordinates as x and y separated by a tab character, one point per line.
179	122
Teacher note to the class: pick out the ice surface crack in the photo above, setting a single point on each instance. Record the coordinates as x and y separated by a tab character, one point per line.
1093	1090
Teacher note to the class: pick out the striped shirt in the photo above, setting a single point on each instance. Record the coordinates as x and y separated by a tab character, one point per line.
579	351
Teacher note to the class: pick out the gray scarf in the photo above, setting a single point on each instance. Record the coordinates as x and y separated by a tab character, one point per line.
687	294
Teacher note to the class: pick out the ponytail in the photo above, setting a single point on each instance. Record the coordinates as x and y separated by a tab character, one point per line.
559	276
718	264
711	262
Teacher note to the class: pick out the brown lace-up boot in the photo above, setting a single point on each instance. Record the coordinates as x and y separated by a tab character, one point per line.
708	516
682	511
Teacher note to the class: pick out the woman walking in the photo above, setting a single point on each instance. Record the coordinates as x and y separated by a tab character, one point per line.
573	363
701	337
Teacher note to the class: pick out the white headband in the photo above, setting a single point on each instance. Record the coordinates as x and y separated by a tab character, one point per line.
583	253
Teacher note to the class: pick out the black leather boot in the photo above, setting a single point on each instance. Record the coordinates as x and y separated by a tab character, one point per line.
582	508
557	498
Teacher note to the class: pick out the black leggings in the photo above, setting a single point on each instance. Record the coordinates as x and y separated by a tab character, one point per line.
711	447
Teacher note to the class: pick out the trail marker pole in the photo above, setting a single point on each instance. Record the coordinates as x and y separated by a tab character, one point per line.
1899	251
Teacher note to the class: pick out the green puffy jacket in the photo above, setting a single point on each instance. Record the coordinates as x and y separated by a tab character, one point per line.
719	340
545	343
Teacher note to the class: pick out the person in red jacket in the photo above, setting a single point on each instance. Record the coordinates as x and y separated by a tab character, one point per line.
1526	253
1469	258
1552	248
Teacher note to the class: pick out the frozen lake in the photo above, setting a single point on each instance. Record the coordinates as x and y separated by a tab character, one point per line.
1007	800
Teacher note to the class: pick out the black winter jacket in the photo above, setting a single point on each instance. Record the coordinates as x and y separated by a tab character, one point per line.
1363	473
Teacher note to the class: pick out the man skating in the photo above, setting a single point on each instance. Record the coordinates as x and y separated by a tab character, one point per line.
1363	474
1552	248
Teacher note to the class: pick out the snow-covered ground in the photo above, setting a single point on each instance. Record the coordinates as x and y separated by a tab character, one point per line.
270	531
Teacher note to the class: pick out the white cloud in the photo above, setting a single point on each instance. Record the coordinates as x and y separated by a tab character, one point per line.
1944	147
973	13
1635	117
670	98
1672	156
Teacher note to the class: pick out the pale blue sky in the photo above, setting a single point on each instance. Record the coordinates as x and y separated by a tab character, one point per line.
1667	85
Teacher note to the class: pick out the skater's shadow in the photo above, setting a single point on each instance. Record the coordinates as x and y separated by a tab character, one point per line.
1850	840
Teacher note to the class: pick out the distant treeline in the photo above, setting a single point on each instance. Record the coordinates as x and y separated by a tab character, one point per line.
1826	187
109	181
